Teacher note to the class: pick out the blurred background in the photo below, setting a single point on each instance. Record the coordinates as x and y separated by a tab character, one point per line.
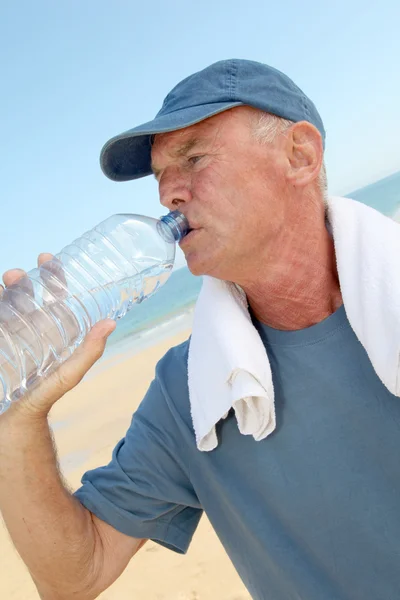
75	73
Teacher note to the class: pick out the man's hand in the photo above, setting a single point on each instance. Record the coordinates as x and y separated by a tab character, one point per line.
39	400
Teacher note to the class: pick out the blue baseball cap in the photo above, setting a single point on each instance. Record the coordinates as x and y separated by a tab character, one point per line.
219	87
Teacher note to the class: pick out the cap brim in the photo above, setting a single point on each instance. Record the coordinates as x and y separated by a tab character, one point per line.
128	155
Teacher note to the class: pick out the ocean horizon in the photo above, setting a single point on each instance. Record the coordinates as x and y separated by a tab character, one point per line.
170	310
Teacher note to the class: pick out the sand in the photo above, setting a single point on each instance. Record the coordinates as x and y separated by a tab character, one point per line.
87	424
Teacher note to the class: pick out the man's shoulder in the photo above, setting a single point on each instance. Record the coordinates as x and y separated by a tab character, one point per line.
170	385
178	353
166	405
172	367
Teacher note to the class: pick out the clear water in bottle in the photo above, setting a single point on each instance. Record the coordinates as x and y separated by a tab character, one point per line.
46	314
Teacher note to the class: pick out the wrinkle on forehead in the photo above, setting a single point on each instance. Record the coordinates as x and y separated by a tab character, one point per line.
178	143
182	136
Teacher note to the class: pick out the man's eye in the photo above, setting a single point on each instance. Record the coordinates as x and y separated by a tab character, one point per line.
194	159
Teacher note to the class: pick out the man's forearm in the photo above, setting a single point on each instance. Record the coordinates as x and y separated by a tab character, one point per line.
51	530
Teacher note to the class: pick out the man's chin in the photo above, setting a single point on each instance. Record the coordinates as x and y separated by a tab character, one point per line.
196	269
195	265
202	267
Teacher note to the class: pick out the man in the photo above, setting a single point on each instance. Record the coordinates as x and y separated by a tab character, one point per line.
312	510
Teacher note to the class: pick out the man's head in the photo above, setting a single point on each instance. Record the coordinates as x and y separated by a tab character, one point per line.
242	186
217	88
238	148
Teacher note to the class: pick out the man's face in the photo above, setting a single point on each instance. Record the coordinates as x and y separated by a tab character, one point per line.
231	188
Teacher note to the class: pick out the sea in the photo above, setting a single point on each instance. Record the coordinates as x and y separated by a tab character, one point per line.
170	310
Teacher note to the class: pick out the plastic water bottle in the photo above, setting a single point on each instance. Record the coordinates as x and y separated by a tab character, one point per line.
47	313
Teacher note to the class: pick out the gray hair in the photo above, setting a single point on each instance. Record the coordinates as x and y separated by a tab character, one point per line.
268	127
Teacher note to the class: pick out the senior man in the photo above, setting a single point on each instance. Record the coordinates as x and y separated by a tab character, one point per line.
307	503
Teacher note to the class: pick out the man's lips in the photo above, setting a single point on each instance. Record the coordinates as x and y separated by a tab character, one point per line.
189	236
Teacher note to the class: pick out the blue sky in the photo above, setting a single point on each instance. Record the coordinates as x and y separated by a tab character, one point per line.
77	72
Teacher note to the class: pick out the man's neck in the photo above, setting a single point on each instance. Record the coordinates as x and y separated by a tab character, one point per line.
300	287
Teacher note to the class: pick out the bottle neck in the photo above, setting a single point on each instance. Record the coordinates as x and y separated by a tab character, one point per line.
173	226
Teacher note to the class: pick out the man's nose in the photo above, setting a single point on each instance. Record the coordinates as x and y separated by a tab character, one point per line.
174	188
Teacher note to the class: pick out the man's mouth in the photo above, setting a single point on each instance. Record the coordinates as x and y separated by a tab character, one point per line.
189	236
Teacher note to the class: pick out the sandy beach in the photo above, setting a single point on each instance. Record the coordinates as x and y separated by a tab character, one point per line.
87	423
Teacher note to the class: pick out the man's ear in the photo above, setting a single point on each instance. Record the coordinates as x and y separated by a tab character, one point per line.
305	152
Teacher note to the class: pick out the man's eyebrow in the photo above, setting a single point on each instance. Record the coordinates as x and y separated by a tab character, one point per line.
156	172
187	146
180	151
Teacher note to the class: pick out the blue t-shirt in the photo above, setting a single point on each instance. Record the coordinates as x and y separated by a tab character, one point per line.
312	512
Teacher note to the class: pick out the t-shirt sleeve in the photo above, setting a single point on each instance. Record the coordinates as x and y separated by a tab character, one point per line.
145	490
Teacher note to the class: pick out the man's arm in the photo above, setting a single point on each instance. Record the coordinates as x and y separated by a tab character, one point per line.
69	552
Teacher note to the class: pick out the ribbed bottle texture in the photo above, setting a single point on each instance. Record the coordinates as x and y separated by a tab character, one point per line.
46	314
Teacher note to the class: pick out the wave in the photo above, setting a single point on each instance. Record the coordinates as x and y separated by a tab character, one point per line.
138	340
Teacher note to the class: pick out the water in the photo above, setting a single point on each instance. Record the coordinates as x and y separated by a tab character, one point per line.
39	353
162	312
167	310
383	195
46	314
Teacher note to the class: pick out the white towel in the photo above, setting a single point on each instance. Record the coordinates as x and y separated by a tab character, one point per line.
228	365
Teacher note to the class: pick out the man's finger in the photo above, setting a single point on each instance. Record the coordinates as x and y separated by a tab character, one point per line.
44	257
19	297
12	276
66	376
52	275
72	371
